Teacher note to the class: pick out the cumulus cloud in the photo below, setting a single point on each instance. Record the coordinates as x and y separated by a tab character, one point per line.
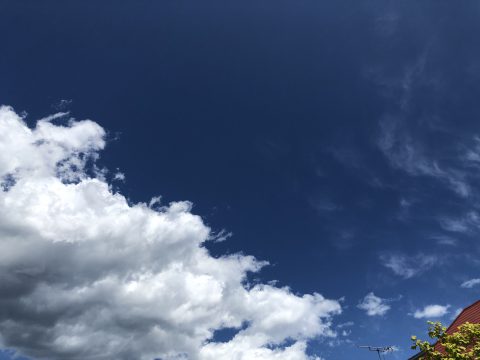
431	312
374	305
86	275
470	283
408	266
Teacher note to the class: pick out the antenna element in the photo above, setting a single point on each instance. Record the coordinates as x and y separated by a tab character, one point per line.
378	349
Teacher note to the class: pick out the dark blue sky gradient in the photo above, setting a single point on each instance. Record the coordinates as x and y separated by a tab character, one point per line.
269	116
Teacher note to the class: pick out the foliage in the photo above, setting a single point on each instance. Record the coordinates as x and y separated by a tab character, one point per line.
464	344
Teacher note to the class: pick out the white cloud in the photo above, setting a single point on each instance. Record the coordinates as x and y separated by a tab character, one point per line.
431	312
119	176
346	324
62	104
84	274
408	266
374	305
221	236
470	283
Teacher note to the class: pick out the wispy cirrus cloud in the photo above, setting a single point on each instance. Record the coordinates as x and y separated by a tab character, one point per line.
468	223
470	283
404	133
405	153
408	266
442	239
324	205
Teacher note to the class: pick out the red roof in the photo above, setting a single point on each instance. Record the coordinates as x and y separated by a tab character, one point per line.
470	314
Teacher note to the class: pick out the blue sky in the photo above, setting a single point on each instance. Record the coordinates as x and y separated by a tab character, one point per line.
337	140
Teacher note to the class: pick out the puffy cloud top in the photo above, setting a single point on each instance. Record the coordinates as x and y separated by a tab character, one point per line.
84	274
374	305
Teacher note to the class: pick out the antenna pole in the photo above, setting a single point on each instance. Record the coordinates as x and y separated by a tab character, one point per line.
379	350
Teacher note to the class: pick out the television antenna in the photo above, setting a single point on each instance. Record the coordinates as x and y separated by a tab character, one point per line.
380	350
